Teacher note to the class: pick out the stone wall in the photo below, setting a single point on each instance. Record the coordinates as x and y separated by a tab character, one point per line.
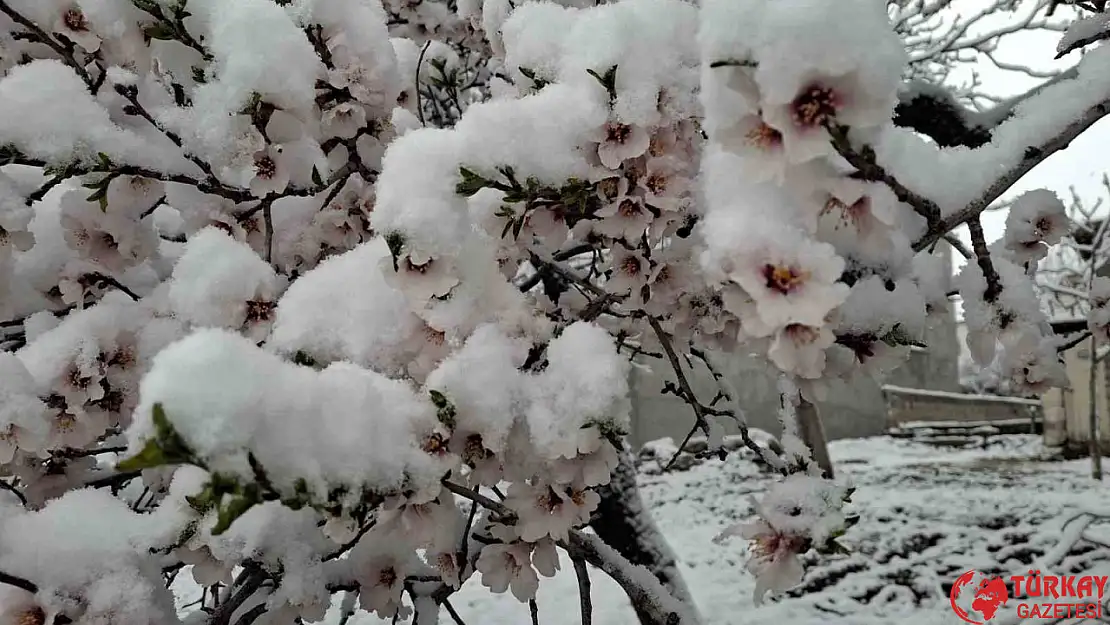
907	405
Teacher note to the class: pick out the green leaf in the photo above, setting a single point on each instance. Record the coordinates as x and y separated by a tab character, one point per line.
236	507
898	336
149	457
167	446
395	241
608	80
471	182
445	410
161	31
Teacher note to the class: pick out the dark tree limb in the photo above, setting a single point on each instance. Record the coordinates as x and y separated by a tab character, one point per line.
586	606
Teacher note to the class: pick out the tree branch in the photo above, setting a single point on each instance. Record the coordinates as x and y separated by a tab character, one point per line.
869	169
44	38
983	258
585	604
1033	157
18	582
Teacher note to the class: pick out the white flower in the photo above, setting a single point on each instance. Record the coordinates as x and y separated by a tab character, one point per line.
19	607
508	566
344	120
626	218
22	415
549	510
773	558
664	184
1032	362
420	277
619	142
1037	219
73	25
801	118
800	349
270	171
792	283
380	567
630	272
546	227
759	145
113	238
434	524
586	470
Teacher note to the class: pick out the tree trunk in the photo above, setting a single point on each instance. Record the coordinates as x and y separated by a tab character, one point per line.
624	524
812	433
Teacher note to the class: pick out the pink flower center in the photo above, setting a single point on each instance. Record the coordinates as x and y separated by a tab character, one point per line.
31	616
258	310
435	445
629	208
764	137
75	20
784	279
630	266
656	183
802	334
773	544
617	133
474	450
387	577
265	167
814	105
435	337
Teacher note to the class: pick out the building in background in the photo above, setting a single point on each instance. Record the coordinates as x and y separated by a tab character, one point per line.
854	411
1068	410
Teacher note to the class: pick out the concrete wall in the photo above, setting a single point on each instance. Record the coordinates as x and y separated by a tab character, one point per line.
854	411
1067	411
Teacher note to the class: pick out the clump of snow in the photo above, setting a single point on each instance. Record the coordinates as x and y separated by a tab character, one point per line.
341	426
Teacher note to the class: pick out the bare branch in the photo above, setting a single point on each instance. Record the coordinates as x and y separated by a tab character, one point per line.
585	603
18	582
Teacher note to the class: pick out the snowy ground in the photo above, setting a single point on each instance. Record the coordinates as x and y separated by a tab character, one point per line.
928	515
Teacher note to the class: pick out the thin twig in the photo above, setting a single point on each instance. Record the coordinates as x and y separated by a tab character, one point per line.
420	62
4	485
585	603
113	480
49	41
454	615
534	610
869	169
268	219
501	509
347	546
983	258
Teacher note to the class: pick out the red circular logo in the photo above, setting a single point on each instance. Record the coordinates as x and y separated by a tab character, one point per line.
990	594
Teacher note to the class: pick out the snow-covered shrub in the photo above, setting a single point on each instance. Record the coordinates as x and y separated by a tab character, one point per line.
321	296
